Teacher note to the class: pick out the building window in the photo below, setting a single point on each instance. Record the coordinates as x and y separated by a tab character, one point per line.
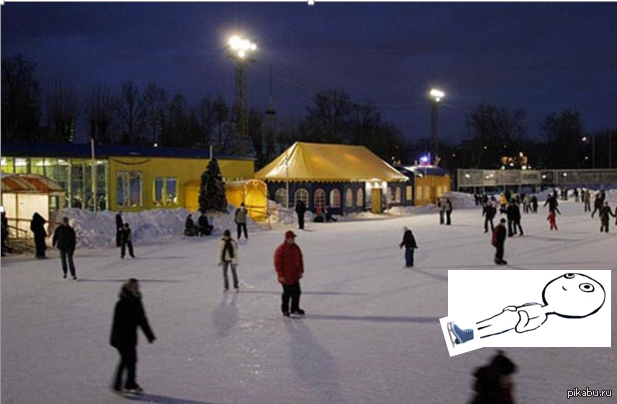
397	195
419	196
21	166
360	198
335	198
320	198
349	198
7	165
128	189
280	196
302	195
165	191
408	192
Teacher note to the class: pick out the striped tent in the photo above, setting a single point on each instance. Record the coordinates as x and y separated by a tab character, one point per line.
29	183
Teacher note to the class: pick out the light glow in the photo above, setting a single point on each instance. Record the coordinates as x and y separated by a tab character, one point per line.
241	47
437	94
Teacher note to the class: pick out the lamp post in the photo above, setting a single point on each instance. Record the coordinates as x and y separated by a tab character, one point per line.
241	51
435	96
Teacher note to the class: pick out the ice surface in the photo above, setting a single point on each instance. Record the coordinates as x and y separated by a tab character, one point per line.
371	335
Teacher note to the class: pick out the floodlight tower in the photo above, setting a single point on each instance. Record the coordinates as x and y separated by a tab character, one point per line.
241	51
436	96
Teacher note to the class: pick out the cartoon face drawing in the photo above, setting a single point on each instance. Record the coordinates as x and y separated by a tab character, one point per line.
574	295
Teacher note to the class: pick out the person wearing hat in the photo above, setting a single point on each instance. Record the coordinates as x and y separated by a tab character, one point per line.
498	241
289	269
64	239
409	242
228	257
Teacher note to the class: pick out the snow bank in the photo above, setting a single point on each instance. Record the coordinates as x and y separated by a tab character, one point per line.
98	229
461	200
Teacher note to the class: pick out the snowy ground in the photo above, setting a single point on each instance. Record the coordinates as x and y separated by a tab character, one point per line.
372	332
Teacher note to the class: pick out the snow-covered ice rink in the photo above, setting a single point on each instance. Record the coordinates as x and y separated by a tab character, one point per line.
371	334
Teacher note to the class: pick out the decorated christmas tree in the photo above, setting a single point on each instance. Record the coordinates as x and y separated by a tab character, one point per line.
212	189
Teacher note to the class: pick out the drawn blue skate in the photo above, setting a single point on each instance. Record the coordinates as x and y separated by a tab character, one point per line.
460	336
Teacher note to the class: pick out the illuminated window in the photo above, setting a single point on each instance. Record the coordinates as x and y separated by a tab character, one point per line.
408	193
128	189
165	191
280	196
348	198
320	198
302	195
397	195
360	198
335	198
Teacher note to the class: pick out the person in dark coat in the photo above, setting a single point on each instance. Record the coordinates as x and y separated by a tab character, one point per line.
119	229
127	241
552	203
5	234
514	219
328	215
499	240
240	219
190	230
129	314
205	228
64	239
534	204
289	267
441	205
409	242
493	384
605	214
598	202
489	212
228	257
300	211
37	226
448	208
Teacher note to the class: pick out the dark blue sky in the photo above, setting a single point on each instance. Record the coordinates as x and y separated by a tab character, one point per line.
542	57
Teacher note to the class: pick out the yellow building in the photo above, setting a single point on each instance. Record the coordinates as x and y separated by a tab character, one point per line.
427	183
131	178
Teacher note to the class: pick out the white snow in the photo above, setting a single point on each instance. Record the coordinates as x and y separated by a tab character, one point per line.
372	333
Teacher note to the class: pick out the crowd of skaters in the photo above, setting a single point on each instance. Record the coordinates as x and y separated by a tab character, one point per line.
129	314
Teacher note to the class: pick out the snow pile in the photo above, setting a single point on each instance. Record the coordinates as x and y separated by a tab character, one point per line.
461	200
98	229
282	216
411	210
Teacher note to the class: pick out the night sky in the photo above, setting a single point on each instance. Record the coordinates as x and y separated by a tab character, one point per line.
541	57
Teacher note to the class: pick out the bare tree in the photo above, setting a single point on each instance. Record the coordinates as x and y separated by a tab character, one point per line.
20	99
100	110
131	116
154	104
62	112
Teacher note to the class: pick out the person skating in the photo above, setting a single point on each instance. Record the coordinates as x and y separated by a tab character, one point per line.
552	203
448	209
300	211
503	202
493	384
587	200
605	214
442	210
205	228
5	234
409	242
534	204
598	202
514	219
552	219
127	241
37	226
289	267
64	239
228	257
119	228
129	314
240	219
498	241
576	195
526	204
489	211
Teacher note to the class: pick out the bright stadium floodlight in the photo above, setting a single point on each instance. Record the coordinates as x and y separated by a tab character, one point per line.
241	51
241	47
436	94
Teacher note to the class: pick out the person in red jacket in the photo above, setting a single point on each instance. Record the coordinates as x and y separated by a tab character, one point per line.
289	269
499	239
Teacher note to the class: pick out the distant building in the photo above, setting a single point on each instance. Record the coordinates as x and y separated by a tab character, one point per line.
131	178
427	183
345	178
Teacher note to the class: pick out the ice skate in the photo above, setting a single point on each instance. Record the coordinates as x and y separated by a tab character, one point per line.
458	335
